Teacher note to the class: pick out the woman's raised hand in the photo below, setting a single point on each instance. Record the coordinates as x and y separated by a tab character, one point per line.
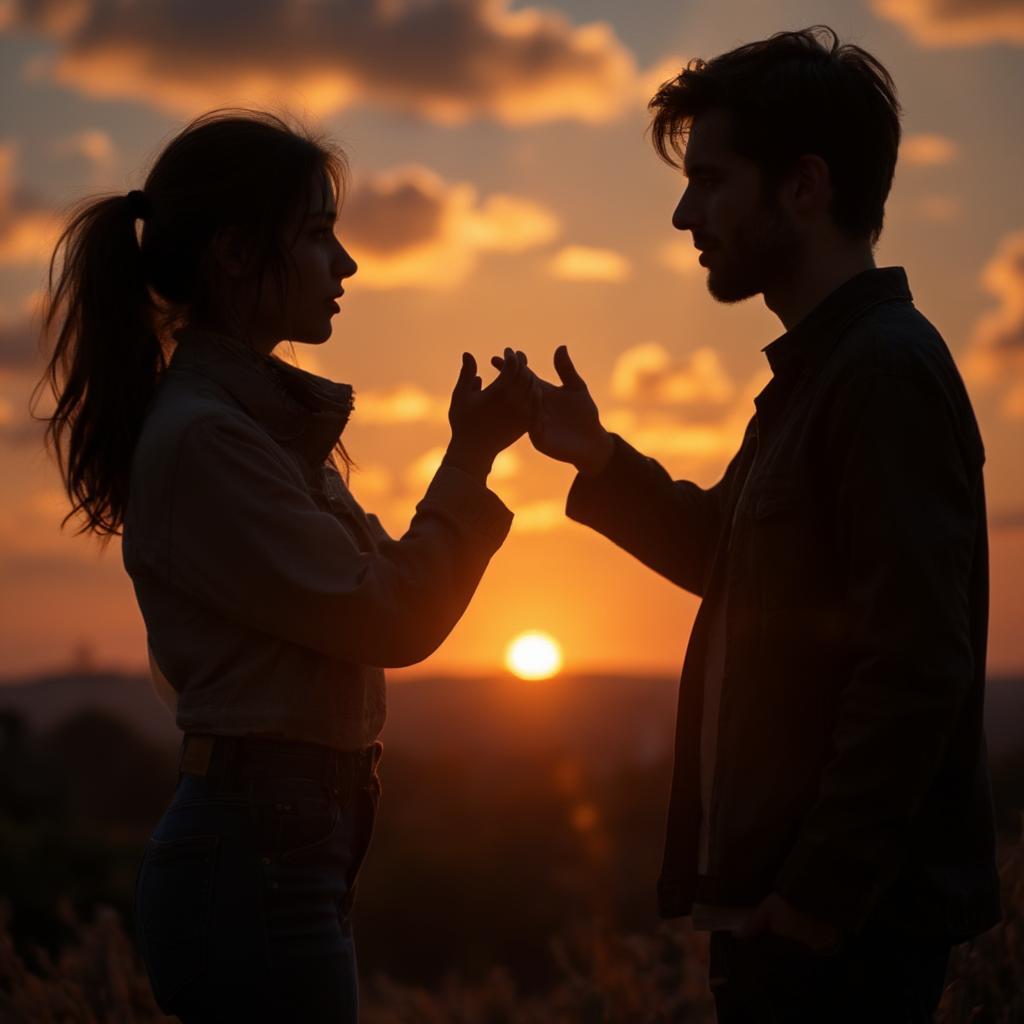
486	420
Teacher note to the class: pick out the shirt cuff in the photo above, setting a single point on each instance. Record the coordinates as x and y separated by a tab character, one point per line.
590	497
469	501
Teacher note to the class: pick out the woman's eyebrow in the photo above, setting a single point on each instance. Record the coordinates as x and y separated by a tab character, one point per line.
331	215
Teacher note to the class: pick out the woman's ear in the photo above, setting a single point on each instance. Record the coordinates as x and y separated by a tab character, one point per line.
230	254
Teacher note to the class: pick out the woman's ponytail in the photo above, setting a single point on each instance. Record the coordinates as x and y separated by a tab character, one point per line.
106	357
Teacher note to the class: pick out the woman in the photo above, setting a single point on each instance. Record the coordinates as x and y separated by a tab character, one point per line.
272	602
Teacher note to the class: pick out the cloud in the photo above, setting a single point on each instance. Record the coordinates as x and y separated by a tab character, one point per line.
406	403
995	353
681	257
409	228
928	150
956	22
94	147
19	346
540	516
582	263
647	373
447	60
665	435
28	228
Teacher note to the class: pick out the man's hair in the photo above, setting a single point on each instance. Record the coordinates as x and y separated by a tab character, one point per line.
792	94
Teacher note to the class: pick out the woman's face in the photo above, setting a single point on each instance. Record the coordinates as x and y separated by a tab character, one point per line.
317	265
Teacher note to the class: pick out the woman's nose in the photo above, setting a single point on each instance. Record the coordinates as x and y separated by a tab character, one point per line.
345	265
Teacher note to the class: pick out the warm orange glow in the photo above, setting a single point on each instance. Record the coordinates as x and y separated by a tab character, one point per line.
534	655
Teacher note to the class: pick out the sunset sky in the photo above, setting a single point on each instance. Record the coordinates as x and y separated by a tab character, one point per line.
503	193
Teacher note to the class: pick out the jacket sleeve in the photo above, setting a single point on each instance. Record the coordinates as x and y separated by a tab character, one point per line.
246	538
672	526
908	500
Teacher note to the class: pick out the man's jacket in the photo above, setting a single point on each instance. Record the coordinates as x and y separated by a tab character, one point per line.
851	771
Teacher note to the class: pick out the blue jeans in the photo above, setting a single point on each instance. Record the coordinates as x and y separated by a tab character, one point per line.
242	900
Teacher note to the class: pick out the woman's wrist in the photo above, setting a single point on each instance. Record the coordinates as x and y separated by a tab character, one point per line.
468	457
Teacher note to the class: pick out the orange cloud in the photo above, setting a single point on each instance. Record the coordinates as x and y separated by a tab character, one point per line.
448	60
956	22
94	147
648	373
583	263
28	229
928	150
995	354
406	403
408	228
681	257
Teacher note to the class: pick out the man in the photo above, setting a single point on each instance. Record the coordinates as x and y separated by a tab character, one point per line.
830	819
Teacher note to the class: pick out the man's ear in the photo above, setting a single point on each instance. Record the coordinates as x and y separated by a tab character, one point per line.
230	253
809	185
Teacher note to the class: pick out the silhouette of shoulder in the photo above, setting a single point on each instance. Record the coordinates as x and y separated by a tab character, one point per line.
894	347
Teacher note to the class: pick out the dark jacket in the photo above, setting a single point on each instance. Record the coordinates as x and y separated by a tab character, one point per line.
851	771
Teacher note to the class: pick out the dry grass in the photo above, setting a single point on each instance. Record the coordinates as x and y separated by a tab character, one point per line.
605	978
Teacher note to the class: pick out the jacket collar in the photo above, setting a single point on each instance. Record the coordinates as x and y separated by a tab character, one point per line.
808	340
299	409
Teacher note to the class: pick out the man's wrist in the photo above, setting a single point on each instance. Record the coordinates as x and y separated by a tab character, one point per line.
596	460
469	458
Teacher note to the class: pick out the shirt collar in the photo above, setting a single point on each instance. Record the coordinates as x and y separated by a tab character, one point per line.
299	409
793	350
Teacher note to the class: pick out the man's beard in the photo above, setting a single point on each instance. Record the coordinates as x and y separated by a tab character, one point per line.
766	249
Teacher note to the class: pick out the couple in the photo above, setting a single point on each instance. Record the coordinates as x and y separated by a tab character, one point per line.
830	821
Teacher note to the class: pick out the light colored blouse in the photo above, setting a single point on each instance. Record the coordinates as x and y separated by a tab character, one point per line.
272	602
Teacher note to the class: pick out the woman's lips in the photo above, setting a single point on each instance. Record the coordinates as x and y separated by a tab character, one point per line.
334	305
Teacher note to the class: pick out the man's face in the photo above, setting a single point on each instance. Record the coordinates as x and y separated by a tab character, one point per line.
746	238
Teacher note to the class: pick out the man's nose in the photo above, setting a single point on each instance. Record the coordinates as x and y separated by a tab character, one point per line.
683	215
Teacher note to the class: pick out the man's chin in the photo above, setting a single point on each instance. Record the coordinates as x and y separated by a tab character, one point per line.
726	289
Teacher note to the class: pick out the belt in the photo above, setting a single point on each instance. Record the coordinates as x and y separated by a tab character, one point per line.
231	759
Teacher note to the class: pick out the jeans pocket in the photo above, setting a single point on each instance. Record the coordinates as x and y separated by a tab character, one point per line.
299	818
173	908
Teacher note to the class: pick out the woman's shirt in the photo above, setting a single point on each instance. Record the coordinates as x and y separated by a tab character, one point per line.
271	600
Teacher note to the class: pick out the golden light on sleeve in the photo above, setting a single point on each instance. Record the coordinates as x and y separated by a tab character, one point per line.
533	655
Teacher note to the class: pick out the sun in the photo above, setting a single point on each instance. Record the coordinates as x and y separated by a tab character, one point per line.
533	655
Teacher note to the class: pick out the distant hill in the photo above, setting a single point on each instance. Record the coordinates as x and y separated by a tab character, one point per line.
617	718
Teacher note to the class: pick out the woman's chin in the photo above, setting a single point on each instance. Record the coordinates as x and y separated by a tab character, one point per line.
317	337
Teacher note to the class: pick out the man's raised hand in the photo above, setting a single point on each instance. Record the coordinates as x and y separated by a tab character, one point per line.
565	424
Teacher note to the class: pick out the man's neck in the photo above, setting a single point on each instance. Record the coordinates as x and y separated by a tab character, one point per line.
791	300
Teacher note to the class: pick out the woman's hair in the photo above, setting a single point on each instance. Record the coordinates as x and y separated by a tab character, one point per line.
792	94
119	293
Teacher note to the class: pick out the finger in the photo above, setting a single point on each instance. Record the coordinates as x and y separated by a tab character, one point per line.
508	373
467	372
522	358
566	371
497	362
